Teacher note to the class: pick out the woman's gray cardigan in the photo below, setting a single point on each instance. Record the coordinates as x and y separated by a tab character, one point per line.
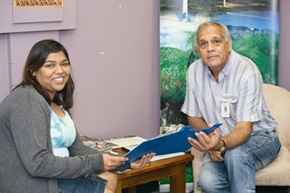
27	163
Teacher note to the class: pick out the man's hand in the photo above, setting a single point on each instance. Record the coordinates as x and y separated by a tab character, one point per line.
205	142
216	156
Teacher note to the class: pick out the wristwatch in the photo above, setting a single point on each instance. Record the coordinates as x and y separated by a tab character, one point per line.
223	148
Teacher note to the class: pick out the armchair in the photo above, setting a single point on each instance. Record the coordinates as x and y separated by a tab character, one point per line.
276	173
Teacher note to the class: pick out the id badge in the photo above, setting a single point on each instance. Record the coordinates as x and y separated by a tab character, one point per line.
225	109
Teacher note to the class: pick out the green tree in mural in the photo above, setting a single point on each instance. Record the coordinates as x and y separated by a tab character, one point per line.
172	82
173	74
262	48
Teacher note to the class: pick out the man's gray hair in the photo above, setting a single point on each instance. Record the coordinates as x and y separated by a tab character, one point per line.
226	33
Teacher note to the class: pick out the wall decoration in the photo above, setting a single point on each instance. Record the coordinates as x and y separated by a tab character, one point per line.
37	3
254	27
37	11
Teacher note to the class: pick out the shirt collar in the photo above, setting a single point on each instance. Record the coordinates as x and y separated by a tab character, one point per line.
227	68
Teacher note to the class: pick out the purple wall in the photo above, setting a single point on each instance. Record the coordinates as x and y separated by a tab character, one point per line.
115	59
284	53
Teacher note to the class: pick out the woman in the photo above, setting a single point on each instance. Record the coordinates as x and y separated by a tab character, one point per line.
41	150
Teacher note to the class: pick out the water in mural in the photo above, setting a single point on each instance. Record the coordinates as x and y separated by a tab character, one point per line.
254	28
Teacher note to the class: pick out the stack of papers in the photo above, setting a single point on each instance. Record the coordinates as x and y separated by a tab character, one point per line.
165	156
106	145
158	157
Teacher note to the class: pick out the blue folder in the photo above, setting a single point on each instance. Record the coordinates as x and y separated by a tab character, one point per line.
168	143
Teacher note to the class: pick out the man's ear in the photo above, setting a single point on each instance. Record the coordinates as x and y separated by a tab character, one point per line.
230	46
196	49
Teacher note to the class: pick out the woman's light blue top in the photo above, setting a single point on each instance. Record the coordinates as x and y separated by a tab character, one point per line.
63	133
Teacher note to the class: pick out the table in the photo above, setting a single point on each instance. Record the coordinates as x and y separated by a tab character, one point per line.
174	167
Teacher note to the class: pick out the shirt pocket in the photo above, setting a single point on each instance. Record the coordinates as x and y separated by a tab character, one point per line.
231	101
229	98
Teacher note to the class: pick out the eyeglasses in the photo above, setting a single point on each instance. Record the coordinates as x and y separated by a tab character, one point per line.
204	44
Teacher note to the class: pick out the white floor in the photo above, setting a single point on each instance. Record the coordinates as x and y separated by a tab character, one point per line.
164	188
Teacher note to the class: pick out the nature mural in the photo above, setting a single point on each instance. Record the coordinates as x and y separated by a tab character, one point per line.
254	28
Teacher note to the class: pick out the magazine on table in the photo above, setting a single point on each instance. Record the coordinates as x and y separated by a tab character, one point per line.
106	145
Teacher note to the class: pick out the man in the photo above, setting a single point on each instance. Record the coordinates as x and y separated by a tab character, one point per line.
226	87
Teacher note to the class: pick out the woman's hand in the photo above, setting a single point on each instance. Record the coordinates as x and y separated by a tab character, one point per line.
139	164
111	162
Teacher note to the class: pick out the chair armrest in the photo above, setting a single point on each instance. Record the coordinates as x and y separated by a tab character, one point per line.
196	165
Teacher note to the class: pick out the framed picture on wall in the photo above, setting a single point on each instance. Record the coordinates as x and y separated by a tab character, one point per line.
34	11
37	3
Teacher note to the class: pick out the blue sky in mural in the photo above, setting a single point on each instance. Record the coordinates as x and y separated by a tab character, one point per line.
172	28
